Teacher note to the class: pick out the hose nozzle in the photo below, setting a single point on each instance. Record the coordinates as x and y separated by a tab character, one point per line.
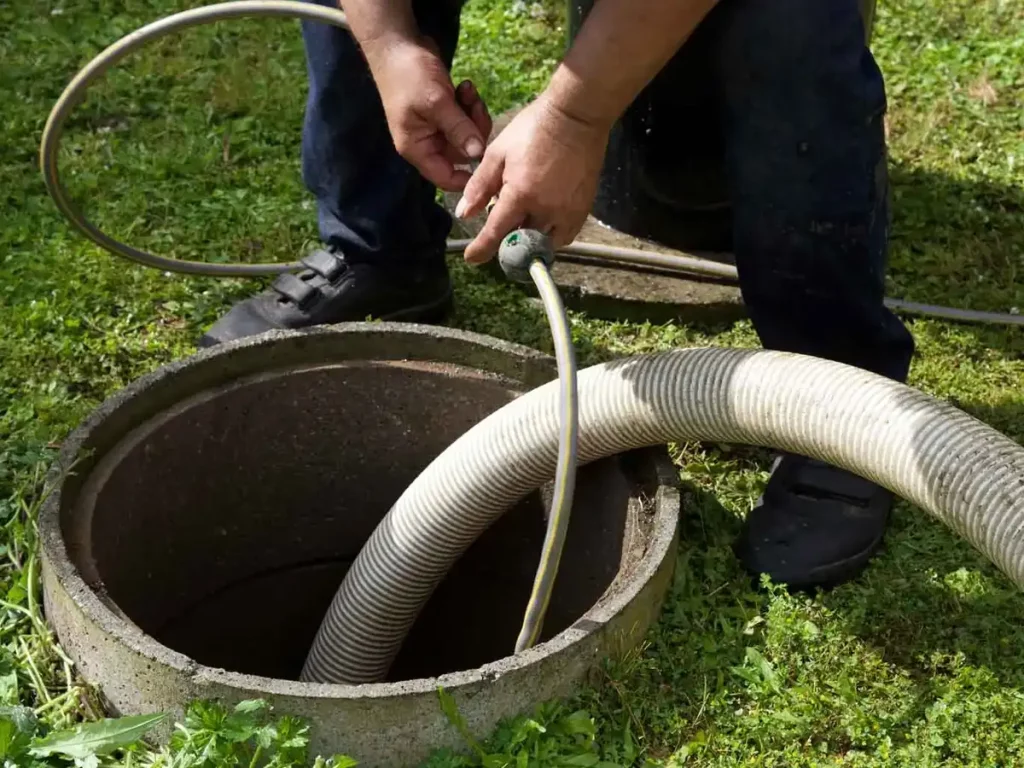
521	248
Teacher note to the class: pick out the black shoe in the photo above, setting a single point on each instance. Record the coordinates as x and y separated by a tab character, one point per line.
815	526
332	290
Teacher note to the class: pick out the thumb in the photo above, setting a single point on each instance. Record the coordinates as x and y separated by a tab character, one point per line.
459	129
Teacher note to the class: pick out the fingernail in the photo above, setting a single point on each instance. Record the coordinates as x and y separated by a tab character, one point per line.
460	208
474	148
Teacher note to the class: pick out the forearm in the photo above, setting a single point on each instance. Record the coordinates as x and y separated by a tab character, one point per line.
379	24
621	46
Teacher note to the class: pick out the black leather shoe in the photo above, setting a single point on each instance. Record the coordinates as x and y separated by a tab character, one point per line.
332	290
815	526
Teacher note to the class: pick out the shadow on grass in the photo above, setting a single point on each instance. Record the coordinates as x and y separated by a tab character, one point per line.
959	243
952	238
932	603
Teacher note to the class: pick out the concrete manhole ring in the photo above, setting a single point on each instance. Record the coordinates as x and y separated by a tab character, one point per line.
201	519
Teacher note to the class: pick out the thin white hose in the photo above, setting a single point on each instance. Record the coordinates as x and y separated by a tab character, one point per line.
960	470
564	486
74	93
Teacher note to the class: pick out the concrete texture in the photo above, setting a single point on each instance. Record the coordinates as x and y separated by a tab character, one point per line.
620	292
214	505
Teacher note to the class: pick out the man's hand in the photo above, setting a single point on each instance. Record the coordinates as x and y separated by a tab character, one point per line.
544	169
434	125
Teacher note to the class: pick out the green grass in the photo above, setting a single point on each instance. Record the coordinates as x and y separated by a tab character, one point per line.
191	149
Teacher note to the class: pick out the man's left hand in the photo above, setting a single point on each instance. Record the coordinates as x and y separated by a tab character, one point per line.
544	169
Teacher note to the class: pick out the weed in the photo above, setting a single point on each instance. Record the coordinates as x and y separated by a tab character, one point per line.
554	735
191	149
211	737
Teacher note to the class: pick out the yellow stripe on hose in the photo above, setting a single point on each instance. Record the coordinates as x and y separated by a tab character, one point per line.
565	473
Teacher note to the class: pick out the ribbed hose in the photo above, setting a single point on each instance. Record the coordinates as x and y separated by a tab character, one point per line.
960	470
955	467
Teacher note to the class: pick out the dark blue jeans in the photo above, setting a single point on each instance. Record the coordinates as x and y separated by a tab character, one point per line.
801	102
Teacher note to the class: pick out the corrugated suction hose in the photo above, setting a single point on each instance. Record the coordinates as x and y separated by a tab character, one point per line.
960	470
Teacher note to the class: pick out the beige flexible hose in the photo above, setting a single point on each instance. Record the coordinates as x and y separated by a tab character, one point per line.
960	470
564	485
963	472
75	92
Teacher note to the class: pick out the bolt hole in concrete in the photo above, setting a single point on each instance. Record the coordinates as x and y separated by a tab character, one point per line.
223	526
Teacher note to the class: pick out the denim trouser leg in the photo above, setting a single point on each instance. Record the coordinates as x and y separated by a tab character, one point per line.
371	203
802	107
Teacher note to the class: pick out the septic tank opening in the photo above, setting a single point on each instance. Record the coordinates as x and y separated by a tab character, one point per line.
223	527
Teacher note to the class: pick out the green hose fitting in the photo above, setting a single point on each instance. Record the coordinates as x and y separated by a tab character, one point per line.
518	251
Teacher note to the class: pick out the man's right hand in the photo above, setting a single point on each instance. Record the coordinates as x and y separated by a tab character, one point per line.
434	125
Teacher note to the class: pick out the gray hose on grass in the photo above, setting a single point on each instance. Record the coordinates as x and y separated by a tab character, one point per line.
926	451
74	93
690	266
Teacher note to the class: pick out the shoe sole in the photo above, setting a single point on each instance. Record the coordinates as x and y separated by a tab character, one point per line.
842	571
828	576
429	313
